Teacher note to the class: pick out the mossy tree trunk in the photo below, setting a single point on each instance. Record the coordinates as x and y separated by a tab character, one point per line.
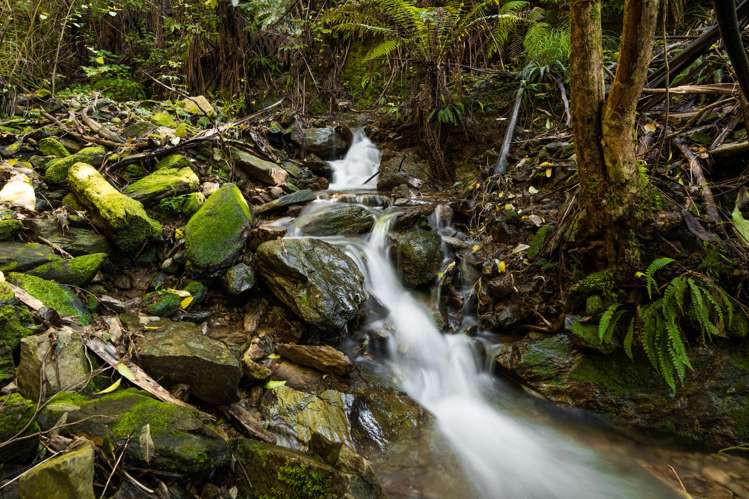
612	185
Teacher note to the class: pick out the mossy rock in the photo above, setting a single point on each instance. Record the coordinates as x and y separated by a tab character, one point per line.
54	295
24	256
418	254
183	440
239	278
76	271
184	205
74	240
162	303
9	229
197	290
66	476
52	362
175	160
123	218
339	219
163	183
15	325
15	414
58	168
51	146
216	234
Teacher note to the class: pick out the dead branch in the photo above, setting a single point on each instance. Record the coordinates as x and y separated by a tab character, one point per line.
695	168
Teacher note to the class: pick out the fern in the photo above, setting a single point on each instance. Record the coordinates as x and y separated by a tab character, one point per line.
606	323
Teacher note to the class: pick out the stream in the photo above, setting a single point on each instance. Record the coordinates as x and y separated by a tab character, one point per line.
503	444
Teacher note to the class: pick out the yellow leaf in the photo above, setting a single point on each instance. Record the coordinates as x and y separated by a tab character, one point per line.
548	173
475	248
501	266
509	207
546	164
185	302
151	328
110	388
650	127
125	371
273	384
100	60
274	356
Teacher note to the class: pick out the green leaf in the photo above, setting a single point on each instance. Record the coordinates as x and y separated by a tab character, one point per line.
273	384
740	224
603	325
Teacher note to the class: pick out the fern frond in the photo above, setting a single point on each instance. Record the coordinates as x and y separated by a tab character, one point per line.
383	49
654	267
605	322
649	331
629	338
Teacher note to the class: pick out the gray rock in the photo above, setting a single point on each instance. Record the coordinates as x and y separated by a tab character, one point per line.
316	280
74	240
24	256
259	169
177	352
322	357
239	278
338	219
298	197
418	254
327	142
66	476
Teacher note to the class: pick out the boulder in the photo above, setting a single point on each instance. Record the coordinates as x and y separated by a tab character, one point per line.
58	169
174	160
163	302
294	416
709	409
52	361
259	169
402	167
121	217
163	183
321	357
216	234
74	240
51	146
158	434
239	278
418	254
16	417
65	476
295	376
277	473
316	280
336	219
25	256
327	142
299	197
178	353
76	271
58	297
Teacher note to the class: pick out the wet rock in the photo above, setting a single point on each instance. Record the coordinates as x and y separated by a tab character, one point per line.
278	473
294	416
121	217
76	271
710	408
301	378
25	256
158	434
403	167
418	254
298	197
216	234
14	422
52	361
177	352
74	240
316	280
259	169
163	302
65	476
239	278
51	146
317	165
323	357
338	219
345	459
265	232
56	296
58	169
162	183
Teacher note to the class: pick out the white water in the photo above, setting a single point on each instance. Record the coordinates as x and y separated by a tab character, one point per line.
360	164
502	456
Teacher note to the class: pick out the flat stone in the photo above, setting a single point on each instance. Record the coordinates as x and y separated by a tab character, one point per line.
298	197
77	271
259	169
336	219
321	357
25	256
163	183
58	297
66	476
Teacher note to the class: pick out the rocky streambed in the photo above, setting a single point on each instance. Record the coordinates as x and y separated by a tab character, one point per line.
166	332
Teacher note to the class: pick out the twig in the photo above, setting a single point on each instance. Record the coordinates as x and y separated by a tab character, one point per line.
696	170
501	167
114	469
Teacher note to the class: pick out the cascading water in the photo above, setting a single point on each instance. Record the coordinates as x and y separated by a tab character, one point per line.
502	456
359	165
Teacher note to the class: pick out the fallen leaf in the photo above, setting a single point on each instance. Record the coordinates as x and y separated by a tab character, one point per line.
110	388
273	384
501	266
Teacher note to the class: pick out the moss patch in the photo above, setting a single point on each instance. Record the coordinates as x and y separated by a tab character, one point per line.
57	169
15	413
77	271
55	296
9	228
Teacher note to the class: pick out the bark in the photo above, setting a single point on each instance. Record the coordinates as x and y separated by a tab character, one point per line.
728	23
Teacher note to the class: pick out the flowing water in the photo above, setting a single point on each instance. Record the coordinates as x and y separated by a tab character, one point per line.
502	454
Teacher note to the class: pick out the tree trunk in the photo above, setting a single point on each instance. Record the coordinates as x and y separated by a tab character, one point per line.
605	139
725	11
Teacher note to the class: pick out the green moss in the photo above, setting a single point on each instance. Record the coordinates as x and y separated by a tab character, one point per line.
186	204
616	374
162	303
124	218
51	146
175	160
9	228
197	290
15	413
77	271
216	234
57	169
539	239
302	482
55	296
163	183
602	281
14	325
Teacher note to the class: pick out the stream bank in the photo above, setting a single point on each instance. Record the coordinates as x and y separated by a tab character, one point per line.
274	351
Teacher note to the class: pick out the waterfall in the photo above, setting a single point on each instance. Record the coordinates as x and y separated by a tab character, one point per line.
503	456
360	164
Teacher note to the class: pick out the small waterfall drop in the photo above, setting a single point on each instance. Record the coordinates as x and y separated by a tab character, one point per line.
359	165
503	456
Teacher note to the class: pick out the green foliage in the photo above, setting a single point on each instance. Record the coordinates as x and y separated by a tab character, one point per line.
547	50
690	302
